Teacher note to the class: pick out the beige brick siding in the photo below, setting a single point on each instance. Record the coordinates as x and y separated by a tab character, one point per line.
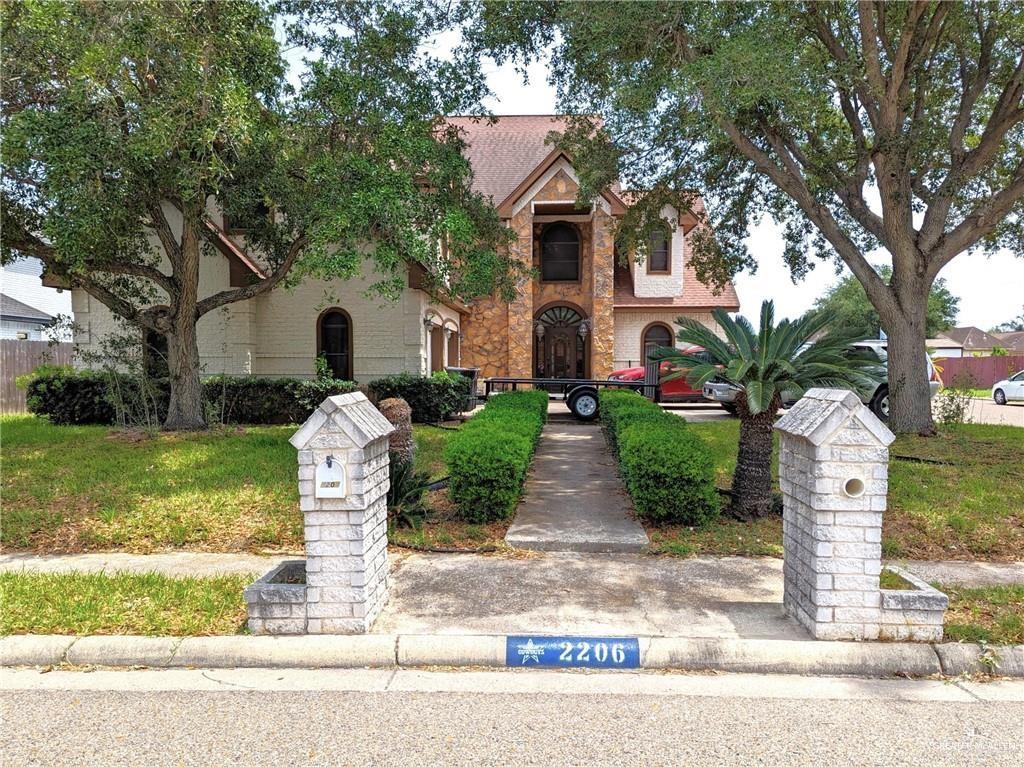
630	324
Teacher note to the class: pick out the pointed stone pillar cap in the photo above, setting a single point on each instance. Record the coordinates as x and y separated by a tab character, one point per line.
351	414
820	413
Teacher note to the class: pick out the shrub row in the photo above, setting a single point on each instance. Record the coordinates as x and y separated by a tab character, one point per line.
66	396
489	456
667	469
432	398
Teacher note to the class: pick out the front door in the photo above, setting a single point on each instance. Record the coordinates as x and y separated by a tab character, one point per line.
559	347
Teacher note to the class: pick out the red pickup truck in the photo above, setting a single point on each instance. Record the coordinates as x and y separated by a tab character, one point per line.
677	390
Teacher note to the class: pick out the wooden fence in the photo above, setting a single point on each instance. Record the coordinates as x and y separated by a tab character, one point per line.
20	357
978	372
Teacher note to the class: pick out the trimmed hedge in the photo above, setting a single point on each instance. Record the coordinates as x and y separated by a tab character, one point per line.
246	399
489	456
70	397
667	469
432	398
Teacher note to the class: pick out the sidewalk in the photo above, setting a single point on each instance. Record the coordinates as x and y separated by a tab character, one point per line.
200	564
574	500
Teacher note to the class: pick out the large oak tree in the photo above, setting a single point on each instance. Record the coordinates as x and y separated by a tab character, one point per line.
128	126
858	126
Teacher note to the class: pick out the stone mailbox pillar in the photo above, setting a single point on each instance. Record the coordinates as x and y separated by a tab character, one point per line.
343	485
833	471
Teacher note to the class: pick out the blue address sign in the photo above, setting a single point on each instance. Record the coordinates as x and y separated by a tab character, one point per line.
572	652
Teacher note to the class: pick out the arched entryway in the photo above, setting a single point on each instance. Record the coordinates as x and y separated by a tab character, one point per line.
560	348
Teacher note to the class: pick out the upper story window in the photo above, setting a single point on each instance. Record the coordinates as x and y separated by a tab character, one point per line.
660	259
560	253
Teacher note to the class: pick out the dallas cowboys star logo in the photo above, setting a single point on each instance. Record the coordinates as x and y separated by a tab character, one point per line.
531	651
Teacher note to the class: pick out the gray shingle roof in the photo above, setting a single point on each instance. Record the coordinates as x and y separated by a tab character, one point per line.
12	308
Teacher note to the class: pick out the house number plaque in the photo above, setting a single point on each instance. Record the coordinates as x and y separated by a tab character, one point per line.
329	479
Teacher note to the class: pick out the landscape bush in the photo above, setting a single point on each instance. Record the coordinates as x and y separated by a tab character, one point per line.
432	398
257	400
69	397
75	397
668	470
489	456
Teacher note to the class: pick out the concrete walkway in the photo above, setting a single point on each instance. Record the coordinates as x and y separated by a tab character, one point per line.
574	500
581	593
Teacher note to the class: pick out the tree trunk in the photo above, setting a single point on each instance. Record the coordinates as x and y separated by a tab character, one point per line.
910	407
752	479
185	409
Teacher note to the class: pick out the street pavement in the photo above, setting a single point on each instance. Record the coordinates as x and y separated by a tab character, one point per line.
261	717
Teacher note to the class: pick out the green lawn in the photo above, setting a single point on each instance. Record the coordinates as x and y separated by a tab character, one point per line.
125	603
993	614
79	488
969	506
73	488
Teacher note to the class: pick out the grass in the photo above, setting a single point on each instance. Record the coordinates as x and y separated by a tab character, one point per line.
78	488
124	603
969	505
993	614
75	488
430	444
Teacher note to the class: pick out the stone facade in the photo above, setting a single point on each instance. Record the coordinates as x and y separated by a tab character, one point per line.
499	337
276	603
343	485
833	472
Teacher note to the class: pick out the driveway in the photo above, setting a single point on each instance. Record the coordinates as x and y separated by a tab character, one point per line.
987	411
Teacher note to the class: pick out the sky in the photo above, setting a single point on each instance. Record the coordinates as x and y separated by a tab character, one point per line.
991	289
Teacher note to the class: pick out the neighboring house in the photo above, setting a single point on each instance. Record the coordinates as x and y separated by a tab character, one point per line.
1012	341
582	316
22	322
20	282
975	341
945	348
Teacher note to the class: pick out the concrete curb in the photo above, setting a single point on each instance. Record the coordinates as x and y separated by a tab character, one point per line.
771	656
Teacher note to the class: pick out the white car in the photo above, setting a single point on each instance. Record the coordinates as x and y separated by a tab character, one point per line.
1009	390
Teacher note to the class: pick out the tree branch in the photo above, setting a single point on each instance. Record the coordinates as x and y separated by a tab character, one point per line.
217	300
979	223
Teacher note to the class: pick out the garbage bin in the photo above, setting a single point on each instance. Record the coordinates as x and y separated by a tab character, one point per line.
472	374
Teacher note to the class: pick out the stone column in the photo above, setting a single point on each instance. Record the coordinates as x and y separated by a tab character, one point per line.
343	484
520	311
833	471
602	331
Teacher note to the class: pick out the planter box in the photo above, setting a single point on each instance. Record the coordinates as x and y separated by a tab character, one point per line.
276	603
913	614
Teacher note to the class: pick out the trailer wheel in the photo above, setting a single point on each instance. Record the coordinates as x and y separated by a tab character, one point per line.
584	404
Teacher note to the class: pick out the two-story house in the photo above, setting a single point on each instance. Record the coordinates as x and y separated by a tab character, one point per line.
587	311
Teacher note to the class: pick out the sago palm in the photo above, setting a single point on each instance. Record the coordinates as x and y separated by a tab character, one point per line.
766	365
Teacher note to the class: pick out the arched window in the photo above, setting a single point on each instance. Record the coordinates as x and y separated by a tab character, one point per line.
655	336
560	253
660	259
334	342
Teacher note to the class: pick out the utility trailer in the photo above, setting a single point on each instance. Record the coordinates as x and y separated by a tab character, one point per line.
580	394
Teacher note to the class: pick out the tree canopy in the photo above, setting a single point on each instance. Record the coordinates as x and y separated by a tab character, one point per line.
126	126
848	305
